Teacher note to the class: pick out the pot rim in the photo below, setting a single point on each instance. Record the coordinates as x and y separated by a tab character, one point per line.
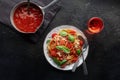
18	5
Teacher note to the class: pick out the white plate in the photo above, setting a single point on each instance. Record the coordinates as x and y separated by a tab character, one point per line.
69	67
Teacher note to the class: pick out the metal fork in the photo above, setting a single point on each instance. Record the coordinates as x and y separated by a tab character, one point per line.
84	47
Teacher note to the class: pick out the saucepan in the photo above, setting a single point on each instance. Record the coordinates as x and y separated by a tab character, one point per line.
28	18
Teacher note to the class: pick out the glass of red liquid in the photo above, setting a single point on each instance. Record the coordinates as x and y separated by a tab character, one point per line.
95	25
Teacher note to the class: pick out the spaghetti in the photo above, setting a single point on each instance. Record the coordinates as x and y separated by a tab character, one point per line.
64	47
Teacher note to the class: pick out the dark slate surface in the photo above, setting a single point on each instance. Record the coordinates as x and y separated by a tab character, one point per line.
23	60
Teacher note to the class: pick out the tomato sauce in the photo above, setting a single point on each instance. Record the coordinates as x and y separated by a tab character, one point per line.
27	22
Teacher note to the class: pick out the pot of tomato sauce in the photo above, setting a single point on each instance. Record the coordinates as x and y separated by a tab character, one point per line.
28	20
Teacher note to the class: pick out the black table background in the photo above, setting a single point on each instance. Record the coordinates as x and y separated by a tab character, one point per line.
23	60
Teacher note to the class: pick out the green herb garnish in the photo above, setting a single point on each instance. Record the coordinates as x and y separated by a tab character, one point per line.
48	41
64	49
71	38
78	51
63	33
59	63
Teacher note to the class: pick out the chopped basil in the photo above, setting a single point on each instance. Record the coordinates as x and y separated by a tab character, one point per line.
59	63
48	41
63	62
71	38
56	61
78	51
64	49
63	33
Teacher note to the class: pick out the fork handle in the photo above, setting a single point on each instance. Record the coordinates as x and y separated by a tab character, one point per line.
76	63
84	66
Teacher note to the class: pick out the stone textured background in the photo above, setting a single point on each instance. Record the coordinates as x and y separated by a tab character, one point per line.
23	60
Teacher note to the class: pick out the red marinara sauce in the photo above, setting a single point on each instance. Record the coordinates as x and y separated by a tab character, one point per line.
28	22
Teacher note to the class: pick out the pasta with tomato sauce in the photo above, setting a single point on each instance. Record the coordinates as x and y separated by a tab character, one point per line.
64	47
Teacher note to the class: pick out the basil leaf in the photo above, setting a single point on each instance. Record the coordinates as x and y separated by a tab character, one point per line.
48	41
63	62
59	47
63	33
59	63
56	61
78	51
64	49
71	38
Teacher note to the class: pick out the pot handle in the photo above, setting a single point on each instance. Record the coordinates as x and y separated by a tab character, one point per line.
51	3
